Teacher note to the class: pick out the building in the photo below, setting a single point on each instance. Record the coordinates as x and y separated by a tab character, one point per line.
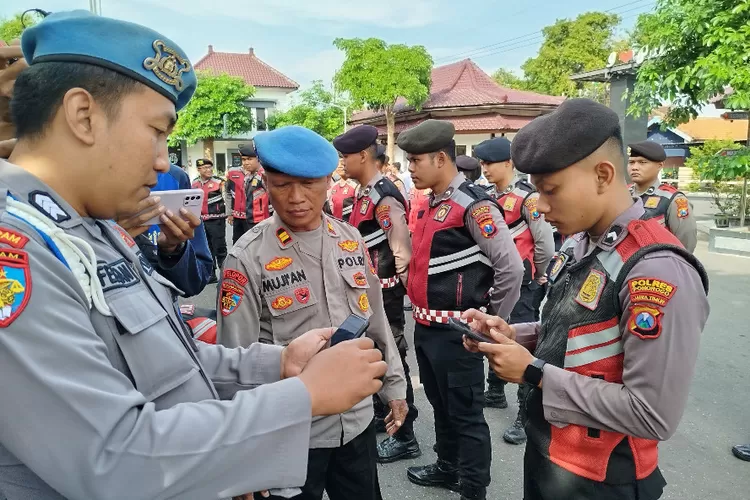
272	89
469	98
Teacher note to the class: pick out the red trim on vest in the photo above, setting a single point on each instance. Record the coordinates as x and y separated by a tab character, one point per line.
236	185
208	336
339	194
668	188
524	241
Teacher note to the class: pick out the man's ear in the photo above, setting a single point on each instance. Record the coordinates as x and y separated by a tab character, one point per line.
606	174
82	115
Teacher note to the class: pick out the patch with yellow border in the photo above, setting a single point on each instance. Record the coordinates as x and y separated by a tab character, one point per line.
683	207
645	321
279	263
364	302
282	302
591	290
652	202
350	246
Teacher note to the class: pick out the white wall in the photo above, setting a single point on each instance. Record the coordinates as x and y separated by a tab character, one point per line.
280	96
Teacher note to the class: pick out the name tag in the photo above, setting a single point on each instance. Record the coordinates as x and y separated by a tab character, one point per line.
118	274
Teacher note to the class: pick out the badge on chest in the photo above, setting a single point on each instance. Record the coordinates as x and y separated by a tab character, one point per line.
591	290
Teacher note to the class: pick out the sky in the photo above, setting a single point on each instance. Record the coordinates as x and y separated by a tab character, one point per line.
296	36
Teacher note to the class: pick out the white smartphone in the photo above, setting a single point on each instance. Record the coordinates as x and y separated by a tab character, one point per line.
189	199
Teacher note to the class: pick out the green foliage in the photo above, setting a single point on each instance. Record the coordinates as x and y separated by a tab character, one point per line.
570	47
376	74
702	46
506	78
313	109
721	170
11	28
216	96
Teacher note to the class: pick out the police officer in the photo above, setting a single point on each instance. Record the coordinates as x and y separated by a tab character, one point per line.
380	214
661	201
257	204
104	394
299	269
234	192
342	194
213	212
384	166
535	243
469	166
461	249
615	352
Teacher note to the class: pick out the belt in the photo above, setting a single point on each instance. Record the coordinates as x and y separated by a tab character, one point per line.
390	282
435	316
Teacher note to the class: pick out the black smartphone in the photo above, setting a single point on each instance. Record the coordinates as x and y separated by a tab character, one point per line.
352	328
465	329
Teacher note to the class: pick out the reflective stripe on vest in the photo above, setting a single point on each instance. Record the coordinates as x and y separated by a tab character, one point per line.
592	347
457	260
389	282
435	316
375	238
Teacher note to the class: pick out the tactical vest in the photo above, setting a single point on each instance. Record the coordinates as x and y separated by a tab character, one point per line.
236	190
512	204
213	199
342	201
581	333
448	272
370	217
656	202
418	201
258	206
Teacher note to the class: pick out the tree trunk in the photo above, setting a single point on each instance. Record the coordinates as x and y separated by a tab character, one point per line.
390	123
208	149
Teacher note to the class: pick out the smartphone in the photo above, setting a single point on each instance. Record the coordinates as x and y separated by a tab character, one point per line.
352	328
189	199
465	329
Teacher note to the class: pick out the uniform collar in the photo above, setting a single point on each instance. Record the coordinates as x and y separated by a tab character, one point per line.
510	186
30	190
455	183
618	230
286	238
649	190
370	185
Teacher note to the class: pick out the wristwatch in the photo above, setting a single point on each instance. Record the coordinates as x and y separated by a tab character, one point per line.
533	374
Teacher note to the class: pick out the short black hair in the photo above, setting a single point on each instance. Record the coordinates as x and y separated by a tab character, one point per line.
473	175
39	91
449	150
616	151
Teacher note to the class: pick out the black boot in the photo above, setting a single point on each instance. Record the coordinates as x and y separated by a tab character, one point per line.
515	434
441	474
402	446
494	396
742	451
473	493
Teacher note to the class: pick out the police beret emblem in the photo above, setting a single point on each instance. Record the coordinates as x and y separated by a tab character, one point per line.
630	150
167	65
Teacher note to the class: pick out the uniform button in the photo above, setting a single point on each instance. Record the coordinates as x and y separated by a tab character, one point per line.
554	415
561	394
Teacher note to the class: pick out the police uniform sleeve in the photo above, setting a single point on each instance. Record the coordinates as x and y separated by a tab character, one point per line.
497	244
81	425
681	222
228	201
541	231
393	222
191	269
660	350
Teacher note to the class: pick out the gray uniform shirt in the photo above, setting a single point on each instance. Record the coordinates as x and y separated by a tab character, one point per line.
684	227
277	284
657	372
127	406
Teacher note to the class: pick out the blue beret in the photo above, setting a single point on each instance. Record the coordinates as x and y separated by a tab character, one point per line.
356	140
296	151
493	150
130	49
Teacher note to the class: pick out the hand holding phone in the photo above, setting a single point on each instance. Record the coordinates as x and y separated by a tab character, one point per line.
174	200
465	329
352	328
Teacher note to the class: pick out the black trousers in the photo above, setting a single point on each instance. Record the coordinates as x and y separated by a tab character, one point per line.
346	473
406	432
453	380
217	240
239	227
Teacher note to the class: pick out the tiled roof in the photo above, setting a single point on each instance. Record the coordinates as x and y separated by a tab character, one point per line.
247	66
465	84
701	129
472	123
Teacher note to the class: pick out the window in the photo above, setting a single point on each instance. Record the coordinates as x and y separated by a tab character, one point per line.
260	120
460	150
221	163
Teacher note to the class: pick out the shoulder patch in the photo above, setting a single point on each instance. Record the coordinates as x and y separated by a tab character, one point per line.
383	214
230	297
645	321
283	236
235	275
350	246
683	207
12	238
15	284
129	241
531	206
650	291
484	220
47	205
278	264
591	290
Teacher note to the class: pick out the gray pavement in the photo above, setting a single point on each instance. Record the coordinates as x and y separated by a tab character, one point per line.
697	462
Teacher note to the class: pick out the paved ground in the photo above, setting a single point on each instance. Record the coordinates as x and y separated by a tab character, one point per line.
697	462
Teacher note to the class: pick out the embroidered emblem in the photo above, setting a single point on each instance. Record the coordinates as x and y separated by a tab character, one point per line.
364	303
558	266
282	302
488	229
302	294
483	211
645	321
369	262
331	229
383	214
279	263
283	236
350	246
509	203
48	206
230	298
484	220
366	191
187	309
124	235
360	279
364	206
442	212
612	235
235	275
145	264
683	208
530	205
630	150
12	238
117	274
346	191
167	65
652	202
15	284
651	290
591	290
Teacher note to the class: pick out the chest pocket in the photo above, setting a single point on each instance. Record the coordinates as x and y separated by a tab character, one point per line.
357	290
156	357
287	292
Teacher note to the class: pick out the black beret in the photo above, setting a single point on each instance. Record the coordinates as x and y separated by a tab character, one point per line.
379	151
648	149
248	150
566	136
203	161
427	137
467	163
356	140
493	150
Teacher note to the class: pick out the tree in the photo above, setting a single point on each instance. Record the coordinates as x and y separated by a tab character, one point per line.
215	97
11	28
506	78
570	47
698	47
314	108
377	74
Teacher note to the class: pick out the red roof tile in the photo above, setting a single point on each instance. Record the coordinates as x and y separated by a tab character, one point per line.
465	84
247	66
472	123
